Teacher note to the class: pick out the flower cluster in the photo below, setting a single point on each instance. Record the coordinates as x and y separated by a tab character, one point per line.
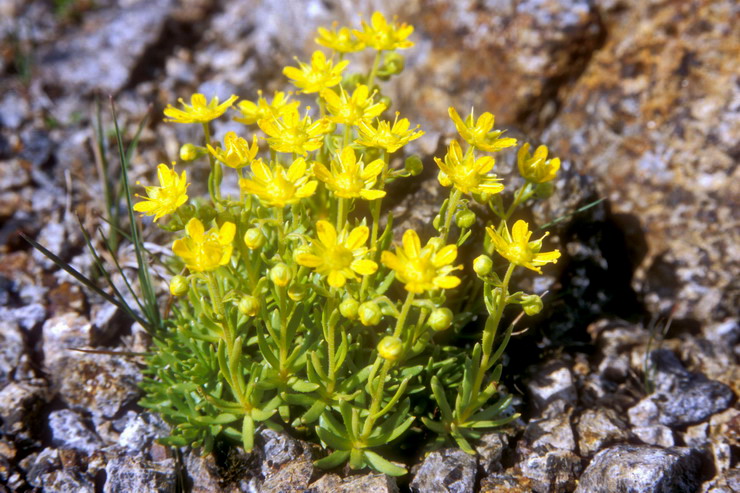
290	301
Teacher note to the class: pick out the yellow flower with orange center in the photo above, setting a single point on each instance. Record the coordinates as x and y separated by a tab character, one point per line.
291	133
342	40
537	168
253	112
387	136
320	74
480	133
422	269
338	257
167	197
349	178
199	110
279	187
204	251
467	174
517	249
349	110
236	152
381	35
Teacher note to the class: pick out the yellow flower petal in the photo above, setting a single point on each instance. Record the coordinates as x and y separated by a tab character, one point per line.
411	243
364	267
326	233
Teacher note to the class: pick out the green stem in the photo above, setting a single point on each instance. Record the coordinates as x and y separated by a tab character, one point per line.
341	213
489	335
373	71
377	400
401	322
521	195
455	195
216	174
280	230
214	292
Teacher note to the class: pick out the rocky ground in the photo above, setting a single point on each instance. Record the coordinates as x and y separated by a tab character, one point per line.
641	99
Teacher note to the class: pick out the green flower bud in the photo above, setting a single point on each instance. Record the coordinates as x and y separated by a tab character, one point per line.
413	165
254	238
348	308
179	285
465	219
369	313
297	293
483	265
189	152
249	305
544	190
441	319
532	304
281	275
390	348
437	222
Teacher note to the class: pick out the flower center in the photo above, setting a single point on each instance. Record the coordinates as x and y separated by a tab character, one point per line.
338	258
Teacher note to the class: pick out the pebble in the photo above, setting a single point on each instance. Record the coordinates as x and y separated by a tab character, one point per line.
12	347
598	428
127	474
553	385
68	430
555	471
447	470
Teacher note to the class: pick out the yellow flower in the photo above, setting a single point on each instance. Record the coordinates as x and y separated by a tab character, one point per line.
199	110
467	174
338	257
342	40
322	73
383	36
205	251
537	168
254	112
422	269
480	135
348	109
390	138
517	249
350	179
279	187
236	152
290	133
167	197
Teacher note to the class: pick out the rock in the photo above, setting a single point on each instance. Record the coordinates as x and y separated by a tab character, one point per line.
141	431
490	449
447	470
38	148
105	51
69	431
12	347
64	298
279	449
42	464
65	481
505	483
27	316
125	474
20	404
14	174
553	472
98	384
291	476
367	483
63	333
642	468
553	385
681	398
202	473
727	482
554	433
598	428
658	435
616	339
653	118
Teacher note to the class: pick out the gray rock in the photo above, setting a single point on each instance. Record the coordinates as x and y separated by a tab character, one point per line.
104	52
598	428
553	385
27	316
127	474
505	483
547	434
96	383
490	448
726	482
68	430
447	470
141	431
367	483
203	473
553	472
13	174
684	398
20	404
12	348
40	465
14	109
291	476
657	435
279	449
62	333
628	468
66	481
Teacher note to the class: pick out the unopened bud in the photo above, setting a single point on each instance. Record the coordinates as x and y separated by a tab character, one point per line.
483	265
465	219
390	348
254	238
281	275
297	292
532	304
348	308
413	165
179	285
249	305
441	319
188	152
369	313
